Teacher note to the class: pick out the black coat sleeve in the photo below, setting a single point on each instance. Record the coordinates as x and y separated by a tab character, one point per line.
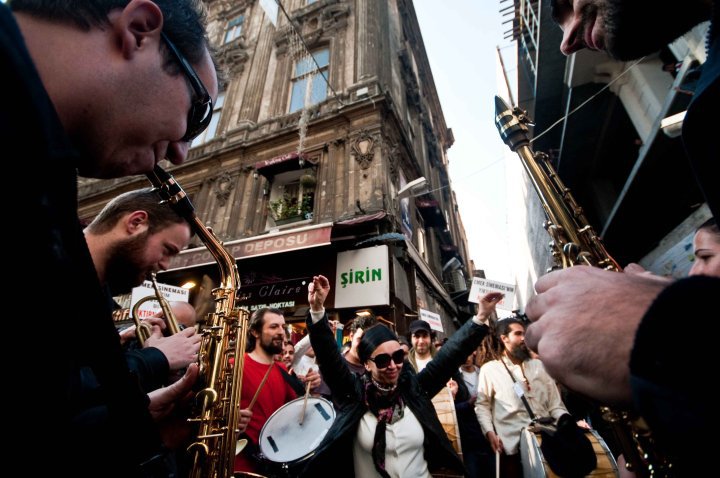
672	356
454	353
333	368
151	367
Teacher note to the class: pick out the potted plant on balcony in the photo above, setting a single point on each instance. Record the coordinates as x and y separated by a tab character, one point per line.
287	209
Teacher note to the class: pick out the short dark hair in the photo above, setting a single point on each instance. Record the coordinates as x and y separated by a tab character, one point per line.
257	320
711	225
160	215
184	21
362	322
503	325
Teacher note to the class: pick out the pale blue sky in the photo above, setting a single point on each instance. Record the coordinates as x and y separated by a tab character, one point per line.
460	38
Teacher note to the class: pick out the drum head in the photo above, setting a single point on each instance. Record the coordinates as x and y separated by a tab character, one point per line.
284	440
531	456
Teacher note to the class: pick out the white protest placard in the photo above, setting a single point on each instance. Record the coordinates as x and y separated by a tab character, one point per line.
150	307
483	286
431	318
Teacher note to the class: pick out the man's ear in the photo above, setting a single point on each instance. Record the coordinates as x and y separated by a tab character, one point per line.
138	22
136	222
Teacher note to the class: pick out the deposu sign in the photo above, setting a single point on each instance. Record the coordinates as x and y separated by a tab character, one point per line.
362	278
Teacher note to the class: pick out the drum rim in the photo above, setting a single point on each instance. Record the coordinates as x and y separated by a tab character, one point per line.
310	453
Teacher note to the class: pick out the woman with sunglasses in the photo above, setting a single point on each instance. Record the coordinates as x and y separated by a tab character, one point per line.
386	425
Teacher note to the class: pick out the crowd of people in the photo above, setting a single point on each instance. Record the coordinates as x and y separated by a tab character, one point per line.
108	89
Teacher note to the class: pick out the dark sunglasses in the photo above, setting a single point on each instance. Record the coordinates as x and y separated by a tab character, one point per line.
201	107
383	360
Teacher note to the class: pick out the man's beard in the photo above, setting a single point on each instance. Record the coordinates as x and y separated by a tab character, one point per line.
520	352
270	348
123	270
662	21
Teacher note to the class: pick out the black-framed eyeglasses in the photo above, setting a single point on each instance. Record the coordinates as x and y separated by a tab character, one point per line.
201	106
383	360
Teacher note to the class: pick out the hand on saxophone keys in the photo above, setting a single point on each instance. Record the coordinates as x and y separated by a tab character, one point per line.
180	349
151	323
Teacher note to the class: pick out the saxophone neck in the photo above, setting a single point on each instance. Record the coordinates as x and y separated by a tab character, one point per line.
168	313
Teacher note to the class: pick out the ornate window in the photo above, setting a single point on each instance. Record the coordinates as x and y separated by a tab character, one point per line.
234	28
292	196
211	130
310	85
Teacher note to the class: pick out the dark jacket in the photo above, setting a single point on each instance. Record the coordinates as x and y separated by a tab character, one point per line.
335	451
671	389
57	299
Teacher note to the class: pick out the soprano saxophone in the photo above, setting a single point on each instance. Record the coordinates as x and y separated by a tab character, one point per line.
575	242
222	350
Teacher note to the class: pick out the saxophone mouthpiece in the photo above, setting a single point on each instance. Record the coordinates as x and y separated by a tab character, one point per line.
511	124
500	106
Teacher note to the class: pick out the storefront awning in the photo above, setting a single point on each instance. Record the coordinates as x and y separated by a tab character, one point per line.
360	219
292	240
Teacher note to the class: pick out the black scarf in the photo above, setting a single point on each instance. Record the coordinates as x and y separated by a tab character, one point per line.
388	406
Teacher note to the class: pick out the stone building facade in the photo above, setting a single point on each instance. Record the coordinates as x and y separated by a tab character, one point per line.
298	176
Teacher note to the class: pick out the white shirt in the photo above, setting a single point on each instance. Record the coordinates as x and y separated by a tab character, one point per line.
498	407
404	451
422	363
471	379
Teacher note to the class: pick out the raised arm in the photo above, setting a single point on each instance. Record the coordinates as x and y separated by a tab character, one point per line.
333	368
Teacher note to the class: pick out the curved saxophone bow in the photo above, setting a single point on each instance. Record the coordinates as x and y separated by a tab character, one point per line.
222	349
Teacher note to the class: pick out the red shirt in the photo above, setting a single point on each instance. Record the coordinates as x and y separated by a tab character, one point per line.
275	393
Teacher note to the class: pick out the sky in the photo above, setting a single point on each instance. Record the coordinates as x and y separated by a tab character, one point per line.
460	38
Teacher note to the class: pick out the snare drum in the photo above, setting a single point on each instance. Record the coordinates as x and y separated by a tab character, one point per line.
285	442
445	408
535	466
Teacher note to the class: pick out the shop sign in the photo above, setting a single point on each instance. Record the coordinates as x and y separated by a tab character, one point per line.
363	278
300	238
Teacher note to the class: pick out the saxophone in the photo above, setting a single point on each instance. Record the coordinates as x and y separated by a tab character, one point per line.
142	330
223	342
575	242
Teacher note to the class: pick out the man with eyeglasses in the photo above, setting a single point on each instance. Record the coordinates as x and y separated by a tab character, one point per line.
103	89
385	417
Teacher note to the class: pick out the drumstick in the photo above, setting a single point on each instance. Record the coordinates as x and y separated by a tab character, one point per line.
307	393
497	463
262	383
